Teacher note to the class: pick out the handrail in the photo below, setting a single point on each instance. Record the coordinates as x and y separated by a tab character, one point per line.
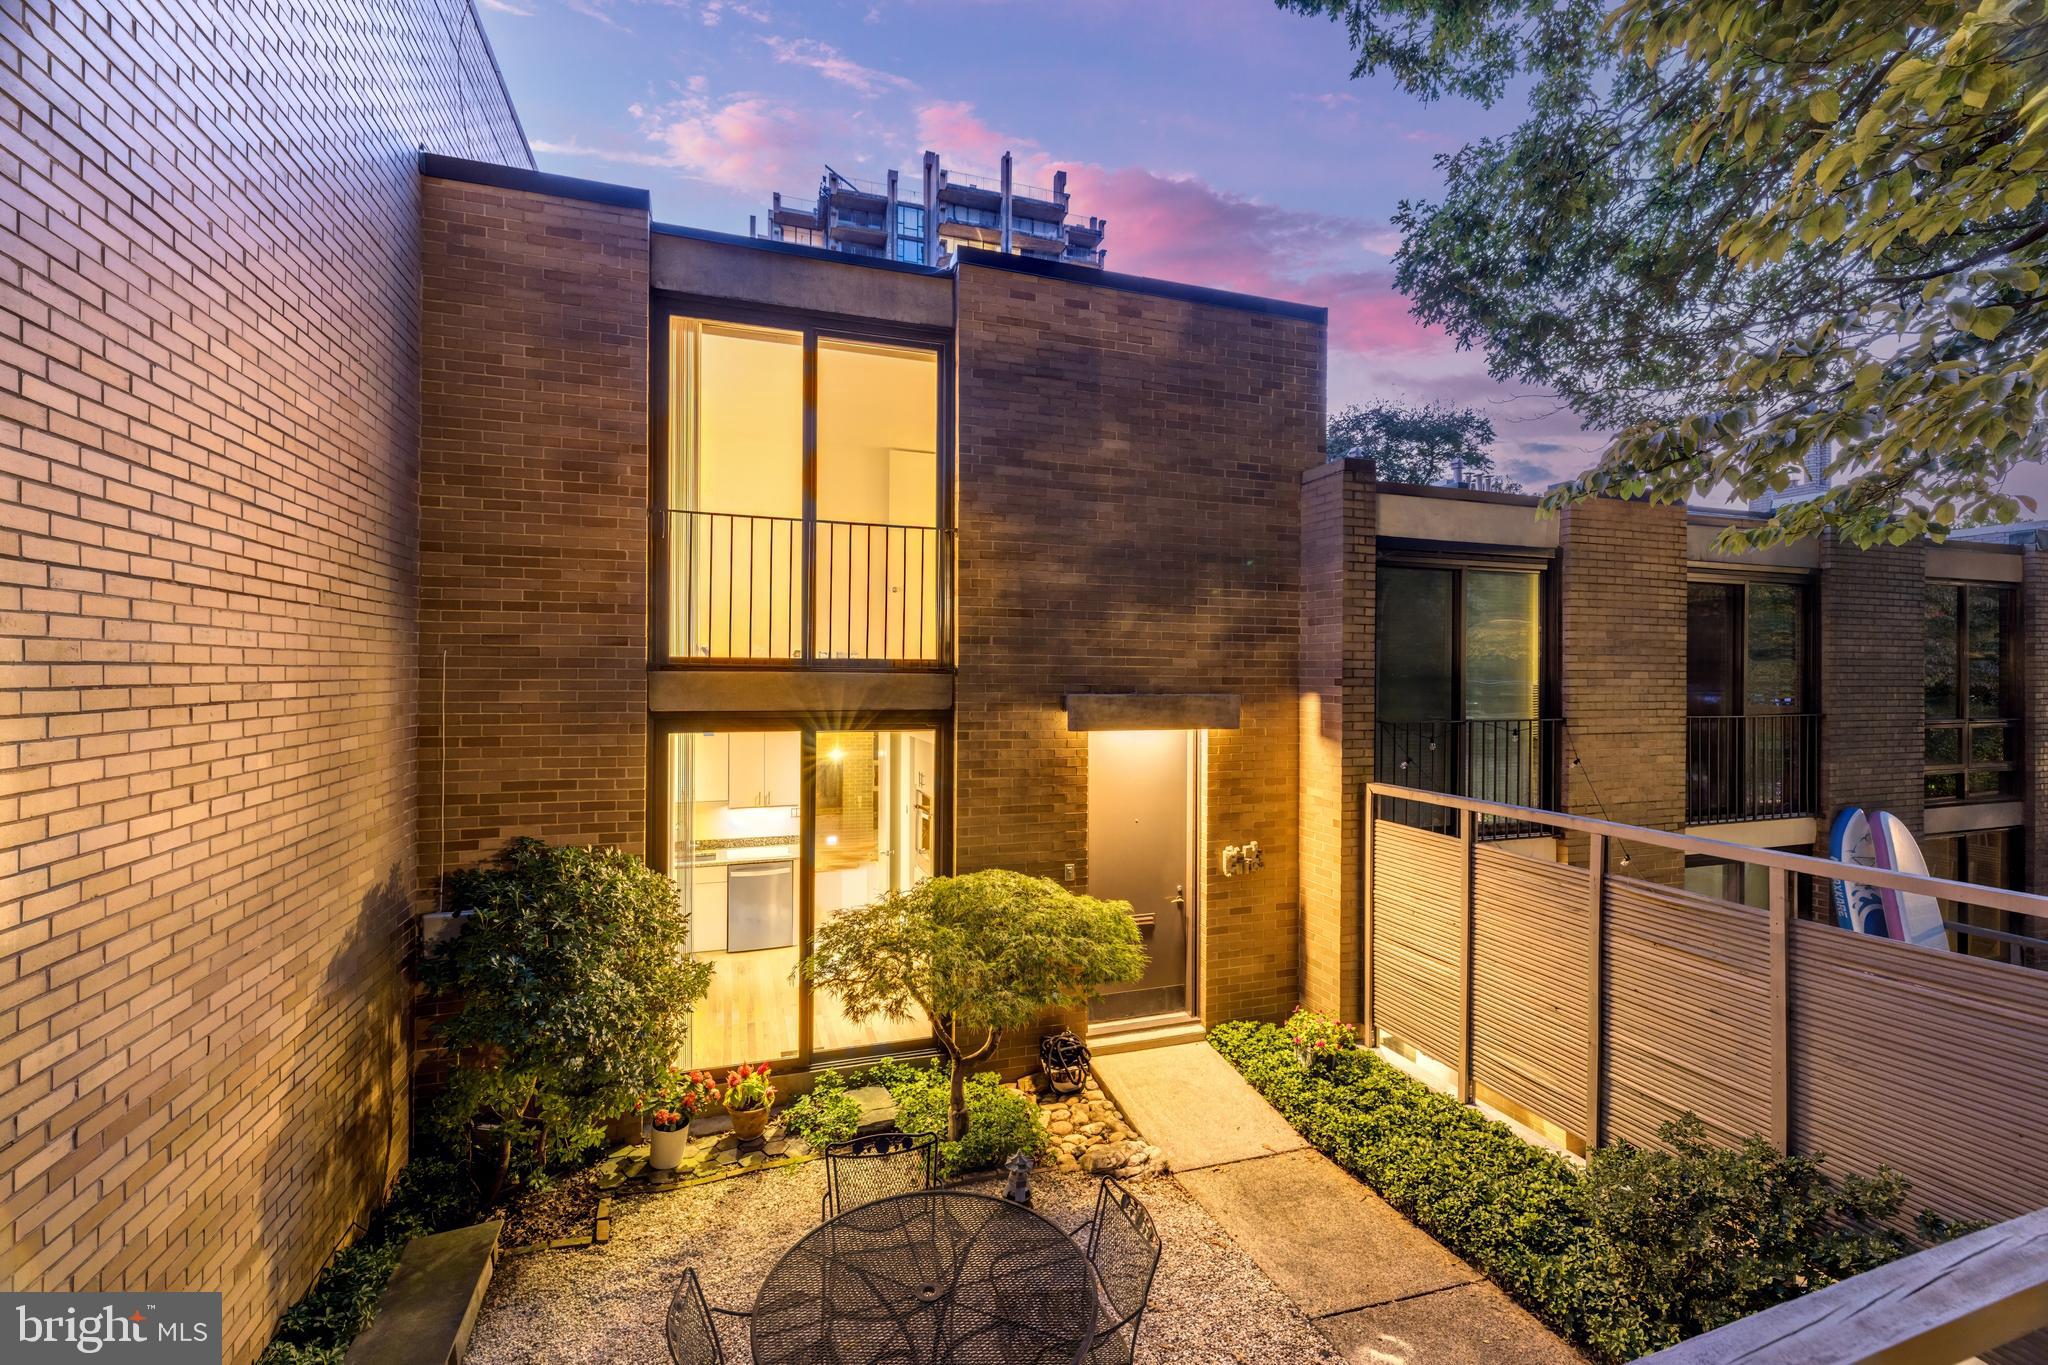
1936	1307
2017	902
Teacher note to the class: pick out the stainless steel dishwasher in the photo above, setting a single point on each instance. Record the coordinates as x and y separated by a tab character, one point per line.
760	906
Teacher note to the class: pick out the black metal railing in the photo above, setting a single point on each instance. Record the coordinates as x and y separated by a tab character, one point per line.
1761	767
1514	762
752	589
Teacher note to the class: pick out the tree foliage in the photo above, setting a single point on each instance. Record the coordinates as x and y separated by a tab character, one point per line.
978	955
1736	233
573	991
1416	444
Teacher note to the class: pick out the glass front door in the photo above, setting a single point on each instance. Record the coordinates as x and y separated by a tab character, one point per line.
770	831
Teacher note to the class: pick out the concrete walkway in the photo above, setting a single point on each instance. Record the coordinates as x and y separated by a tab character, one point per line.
1382	1290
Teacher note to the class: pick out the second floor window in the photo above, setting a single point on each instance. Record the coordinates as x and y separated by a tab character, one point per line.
1460	682
1971	691
794	534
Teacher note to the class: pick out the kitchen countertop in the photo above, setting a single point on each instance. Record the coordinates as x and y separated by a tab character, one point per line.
748	851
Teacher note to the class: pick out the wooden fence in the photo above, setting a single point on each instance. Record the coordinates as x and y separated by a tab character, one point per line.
1606	1004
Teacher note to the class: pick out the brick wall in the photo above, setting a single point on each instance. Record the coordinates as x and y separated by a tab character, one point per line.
2033	755
1339	556
1872	666
1621	644
1129	516
533	535
208	427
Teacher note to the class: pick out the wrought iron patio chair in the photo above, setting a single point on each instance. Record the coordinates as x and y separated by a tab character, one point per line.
693	1337
1124	1248
874	1166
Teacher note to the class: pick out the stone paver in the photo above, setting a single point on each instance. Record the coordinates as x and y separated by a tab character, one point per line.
1474	1324
1194	1106
1383	1291
1327	1241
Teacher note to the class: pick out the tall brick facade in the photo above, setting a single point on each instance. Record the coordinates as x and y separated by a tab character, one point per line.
1872	666
208	572
1129	512
1621	650
533	536
1339	561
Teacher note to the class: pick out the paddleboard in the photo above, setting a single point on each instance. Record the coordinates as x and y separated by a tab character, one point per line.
1918	913
1858	908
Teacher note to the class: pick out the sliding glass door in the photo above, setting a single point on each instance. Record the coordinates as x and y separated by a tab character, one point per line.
771	831
1460	682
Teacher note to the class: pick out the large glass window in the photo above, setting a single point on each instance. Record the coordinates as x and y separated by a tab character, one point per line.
795	539
736	491
756	872
1970	690
735	847
878	502
1751	743
1460	682
876	795
1988	857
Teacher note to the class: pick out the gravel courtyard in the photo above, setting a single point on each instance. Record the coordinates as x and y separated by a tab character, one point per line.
606	1304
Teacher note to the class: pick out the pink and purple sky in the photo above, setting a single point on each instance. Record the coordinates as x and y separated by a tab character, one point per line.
1222	139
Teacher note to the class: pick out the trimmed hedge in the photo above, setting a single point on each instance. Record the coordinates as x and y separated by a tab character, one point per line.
1646	1248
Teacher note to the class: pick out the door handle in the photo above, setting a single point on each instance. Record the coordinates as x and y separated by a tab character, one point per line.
1179	899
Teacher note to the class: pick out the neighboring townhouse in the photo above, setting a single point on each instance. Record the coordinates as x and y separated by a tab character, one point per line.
1610	661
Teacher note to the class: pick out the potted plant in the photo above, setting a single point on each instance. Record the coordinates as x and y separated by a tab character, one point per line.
749	1097
680	1098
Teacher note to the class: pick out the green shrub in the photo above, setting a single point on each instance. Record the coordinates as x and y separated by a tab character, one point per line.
1700	1235
826	1114
1649	1247
430	1195
572	993
1000	1121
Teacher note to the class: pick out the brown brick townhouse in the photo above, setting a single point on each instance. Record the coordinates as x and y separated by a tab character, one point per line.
361	509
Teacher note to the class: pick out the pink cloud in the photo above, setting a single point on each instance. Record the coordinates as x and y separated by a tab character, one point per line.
1182	228
834	65
953	130
749	142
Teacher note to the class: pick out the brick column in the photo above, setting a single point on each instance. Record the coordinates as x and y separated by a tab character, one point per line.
2033	660
1339	529
1872	665
1621	639
533	520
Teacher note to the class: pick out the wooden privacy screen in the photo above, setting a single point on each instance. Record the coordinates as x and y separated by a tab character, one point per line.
1688	1000
1874	1052
1529	993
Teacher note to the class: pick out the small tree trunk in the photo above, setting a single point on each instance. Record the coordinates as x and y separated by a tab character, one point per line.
956	1121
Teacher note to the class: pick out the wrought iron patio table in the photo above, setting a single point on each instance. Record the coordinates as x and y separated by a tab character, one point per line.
937	1277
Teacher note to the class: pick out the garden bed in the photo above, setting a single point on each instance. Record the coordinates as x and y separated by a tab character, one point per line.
1644	1249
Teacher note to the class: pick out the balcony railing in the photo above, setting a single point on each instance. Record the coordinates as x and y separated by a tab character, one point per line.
752	589
1763	767
1513	762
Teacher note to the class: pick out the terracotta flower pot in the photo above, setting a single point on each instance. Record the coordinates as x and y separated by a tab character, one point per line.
666	1149
749	1124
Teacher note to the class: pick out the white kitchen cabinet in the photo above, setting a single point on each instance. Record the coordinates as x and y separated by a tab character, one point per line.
709	767
707	909
764	768
785	768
